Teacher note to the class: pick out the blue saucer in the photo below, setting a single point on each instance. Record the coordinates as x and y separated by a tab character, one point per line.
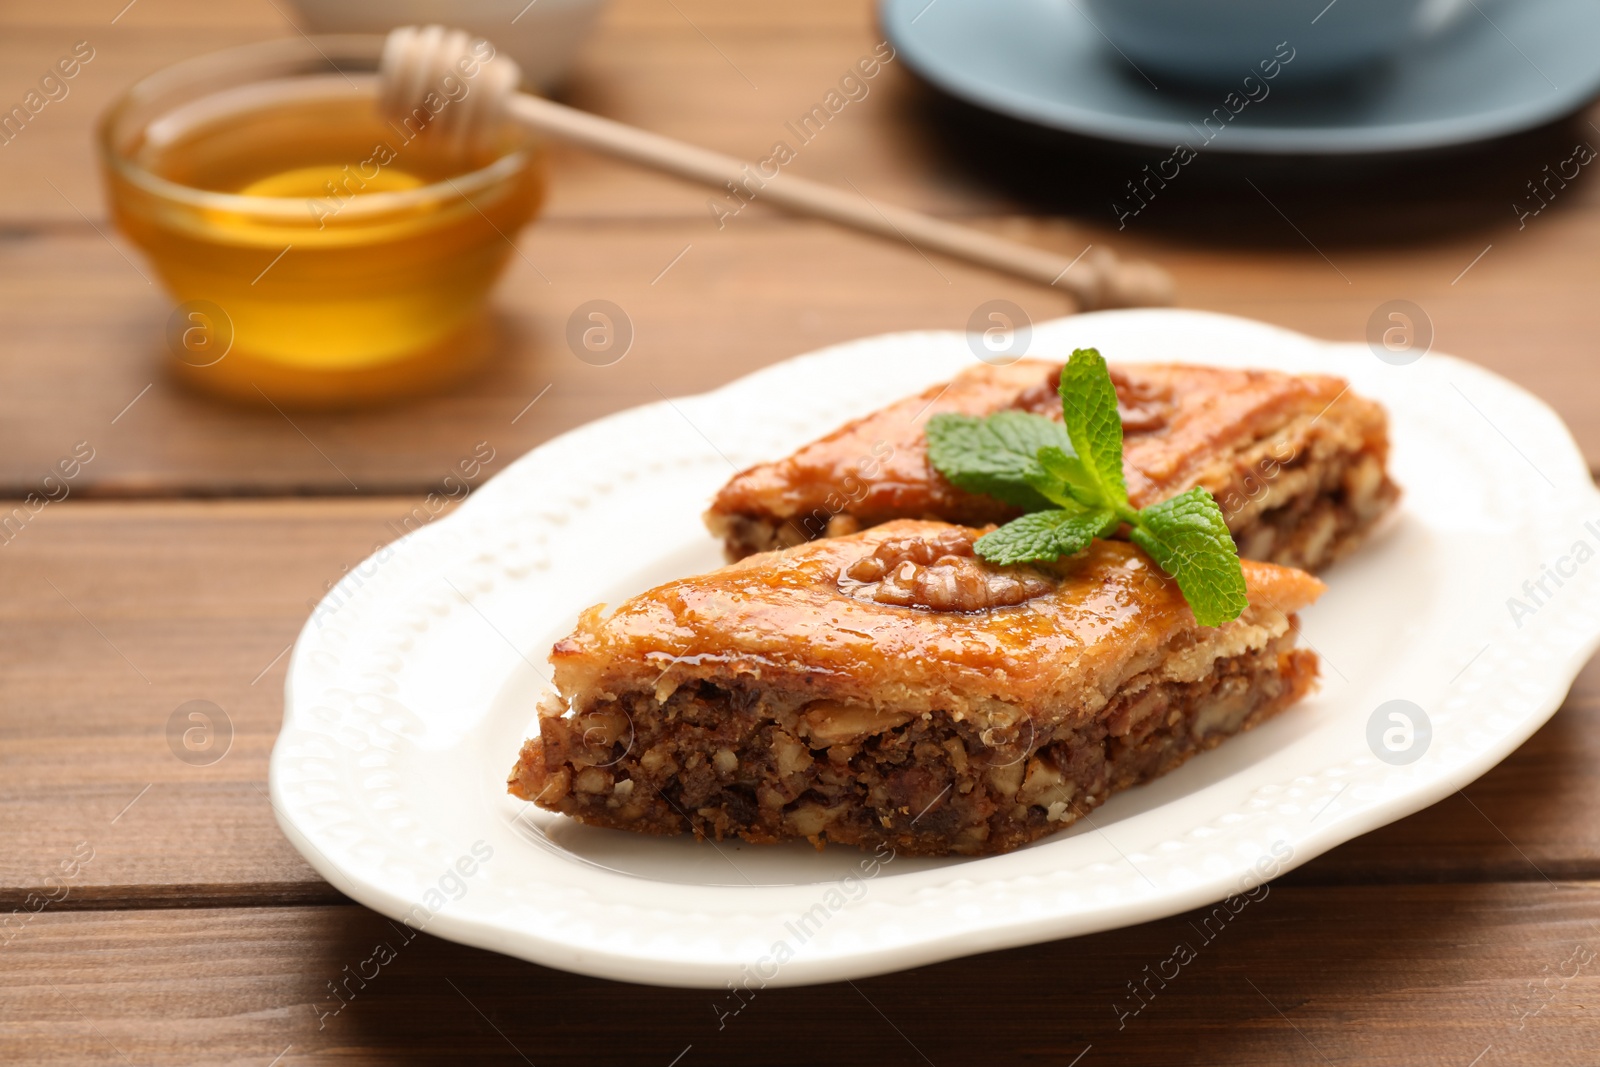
1042	61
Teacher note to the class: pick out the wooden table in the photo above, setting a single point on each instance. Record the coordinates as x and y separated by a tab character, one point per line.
181	565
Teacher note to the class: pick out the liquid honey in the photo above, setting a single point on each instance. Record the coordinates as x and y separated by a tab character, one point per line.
359	265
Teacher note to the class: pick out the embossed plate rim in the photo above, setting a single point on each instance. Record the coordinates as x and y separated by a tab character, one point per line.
382	796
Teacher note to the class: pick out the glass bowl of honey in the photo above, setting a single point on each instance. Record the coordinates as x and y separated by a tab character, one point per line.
321	252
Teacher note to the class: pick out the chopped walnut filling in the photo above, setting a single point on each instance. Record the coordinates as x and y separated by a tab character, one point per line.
940	574
1143	406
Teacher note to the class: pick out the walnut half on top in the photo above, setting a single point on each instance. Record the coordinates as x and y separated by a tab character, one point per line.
939	572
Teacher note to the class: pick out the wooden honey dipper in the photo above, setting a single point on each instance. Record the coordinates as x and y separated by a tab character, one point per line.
416	60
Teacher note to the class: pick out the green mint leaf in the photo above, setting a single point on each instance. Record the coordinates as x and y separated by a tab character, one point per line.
1089	406
995	455
1053	489
1045	535
1068	477
1068	472
1188	537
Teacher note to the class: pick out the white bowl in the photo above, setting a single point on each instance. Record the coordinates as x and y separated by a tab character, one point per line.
542	36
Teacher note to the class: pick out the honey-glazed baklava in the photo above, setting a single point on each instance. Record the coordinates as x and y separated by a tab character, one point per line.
892	688
1297	462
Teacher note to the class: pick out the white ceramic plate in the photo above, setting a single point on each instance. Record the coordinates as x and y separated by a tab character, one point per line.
412	687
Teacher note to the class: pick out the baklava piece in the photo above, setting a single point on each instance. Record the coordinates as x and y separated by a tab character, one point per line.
892	688
1297	462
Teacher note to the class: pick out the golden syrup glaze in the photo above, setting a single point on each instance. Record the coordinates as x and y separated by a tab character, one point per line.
1178	420
780	621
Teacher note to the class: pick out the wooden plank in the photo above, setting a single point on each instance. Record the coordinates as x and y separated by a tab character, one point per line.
735	301
760	291
679	72
729	75
764	288
1376	976
117	614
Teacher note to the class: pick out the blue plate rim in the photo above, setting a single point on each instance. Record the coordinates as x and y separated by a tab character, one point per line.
1277	140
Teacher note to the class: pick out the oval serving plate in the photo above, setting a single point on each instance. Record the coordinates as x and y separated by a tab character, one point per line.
414	683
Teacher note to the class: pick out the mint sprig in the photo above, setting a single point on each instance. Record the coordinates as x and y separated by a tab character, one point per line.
995	456
1068	477
1046	535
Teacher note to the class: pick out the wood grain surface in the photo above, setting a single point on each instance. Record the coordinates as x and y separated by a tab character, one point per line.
184	560
1380	976
1246	238
121	613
